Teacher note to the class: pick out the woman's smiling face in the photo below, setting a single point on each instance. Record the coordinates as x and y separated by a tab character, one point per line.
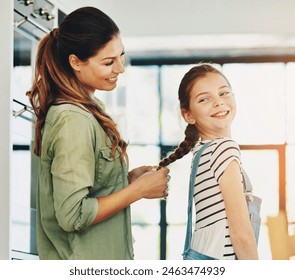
102	70
212	106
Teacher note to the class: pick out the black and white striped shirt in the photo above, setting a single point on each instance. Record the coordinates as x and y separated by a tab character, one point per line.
211	235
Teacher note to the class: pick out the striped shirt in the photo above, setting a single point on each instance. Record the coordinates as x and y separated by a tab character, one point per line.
211	235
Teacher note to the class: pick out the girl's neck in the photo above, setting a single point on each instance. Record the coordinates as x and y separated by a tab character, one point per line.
209	136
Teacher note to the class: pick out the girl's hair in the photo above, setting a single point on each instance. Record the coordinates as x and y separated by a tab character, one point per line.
83	32
191	132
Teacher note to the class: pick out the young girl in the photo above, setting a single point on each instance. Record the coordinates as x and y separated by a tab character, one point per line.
84	190
223	229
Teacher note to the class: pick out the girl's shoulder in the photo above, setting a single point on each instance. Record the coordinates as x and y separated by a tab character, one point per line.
225	143
225	147
219	146
218	143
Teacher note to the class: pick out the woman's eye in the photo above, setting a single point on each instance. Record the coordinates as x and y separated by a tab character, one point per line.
122	59
110	63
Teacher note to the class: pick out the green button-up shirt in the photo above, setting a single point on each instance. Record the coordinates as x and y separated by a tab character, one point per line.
76	166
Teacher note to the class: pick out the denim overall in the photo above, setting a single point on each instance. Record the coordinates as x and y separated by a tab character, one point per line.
253	203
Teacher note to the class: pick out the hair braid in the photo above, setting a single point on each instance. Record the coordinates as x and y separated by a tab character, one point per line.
191	138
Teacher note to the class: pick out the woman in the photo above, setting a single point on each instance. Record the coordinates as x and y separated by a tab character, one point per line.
223	229
84	189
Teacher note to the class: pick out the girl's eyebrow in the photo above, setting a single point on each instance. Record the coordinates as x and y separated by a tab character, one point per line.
201	93
207	92
224	87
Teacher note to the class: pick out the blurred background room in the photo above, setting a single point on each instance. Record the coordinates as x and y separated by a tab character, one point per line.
253	42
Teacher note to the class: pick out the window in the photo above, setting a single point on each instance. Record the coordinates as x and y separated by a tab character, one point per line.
259	89
263	127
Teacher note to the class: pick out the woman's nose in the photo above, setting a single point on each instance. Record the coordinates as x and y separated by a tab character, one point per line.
119	67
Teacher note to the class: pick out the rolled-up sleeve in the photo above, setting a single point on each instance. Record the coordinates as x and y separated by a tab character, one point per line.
73	170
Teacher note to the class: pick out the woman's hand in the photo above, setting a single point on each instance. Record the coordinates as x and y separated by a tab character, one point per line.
137	172
148	182
144	182
153	183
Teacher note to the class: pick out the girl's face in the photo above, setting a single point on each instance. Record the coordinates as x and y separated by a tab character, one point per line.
212	106
102	70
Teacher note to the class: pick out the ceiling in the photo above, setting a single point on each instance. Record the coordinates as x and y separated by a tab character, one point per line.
199	28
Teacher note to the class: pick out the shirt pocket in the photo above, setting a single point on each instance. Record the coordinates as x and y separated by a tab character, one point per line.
109	169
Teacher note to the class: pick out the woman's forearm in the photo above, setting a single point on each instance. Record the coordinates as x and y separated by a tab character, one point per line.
115	202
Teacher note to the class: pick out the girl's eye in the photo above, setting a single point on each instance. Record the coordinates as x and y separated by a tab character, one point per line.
224	93
204	99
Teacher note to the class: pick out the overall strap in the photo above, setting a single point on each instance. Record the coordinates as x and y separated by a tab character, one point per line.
247	183
190	196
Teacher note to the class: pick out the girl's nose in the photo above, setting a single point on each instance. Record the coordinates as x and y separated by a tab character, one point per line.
218	102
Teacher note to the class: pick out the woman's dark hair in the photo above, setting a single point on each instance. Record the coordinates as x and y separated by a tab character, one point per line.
83	33
191	132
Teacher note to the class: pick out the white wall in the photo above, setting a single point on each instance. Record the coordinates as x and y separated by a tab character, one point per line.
190	17
184	27
6	48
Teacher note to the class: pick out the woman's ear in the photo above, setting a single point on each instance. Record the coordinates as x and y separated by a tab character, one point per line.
187	116
74	62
